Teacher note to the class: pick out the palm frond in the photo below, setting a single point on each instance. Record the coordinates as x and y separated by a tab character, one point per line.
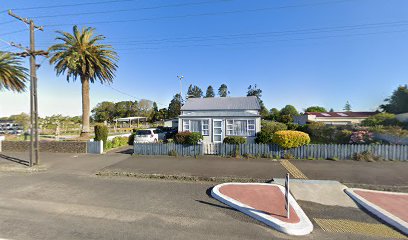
13	76
81	54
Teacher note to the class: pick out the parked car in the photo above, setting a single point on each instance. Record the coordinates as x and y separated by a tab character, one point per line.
150	135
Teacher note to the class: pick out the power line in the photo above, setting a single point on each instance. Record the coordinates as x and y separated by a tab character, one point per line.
195	15
69	5
7	22
129	95
130	9
9	33
264	34
258	42
366	26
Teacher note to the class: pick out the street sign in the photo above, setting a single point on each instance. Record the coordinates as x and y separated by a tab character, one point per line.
287	206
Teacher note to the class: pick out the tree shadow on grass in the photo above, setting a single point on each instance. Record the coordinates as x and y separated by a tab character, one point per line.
14	159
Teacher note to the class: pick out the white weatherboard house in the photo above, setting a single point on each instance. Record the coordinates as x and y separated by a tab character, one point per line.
216	118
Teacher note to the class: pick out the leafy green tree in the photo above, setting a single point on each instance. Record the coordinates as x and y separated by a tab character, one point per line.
162	114
210	92
13	75
287	113
126	109
347	107
257	92
174	107
154	116
289	110
398	102
81	54
194	92
273	114
104	111
144	108
315	109
331	110
223	90
23	119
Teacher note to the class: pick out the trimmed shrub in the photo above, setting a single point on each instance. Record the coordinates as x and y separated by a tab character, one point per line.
194	138
101	134
267	131
264	137
191	138
290	139
234	140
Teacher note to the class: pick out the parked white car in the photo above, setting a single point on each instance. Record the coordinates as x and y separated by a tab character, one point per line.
150	135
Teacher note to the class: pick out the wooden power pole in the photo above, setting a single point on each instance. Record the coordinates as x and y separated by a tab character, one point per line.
32	53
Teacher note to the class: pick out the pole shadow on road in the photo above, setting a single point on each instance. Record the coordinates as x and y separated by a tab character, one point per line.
14	159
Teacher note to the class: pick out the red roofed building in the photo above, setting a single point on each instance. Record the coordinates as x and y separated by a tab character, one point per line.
333	118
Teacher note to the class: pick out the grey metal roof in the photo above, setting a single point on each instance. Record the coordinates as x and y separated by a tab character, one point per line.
222	103
213	114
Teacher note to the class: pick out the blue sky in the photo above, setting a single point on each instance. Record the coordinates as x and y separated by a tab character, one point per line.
305	52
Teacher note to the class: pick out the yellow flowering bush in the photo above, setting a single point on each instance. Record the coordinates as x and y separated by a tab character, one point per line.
290	139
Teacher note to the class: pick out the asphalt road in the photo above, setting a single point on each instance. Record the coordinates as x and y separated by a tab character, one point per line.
387	173
68	201
48	205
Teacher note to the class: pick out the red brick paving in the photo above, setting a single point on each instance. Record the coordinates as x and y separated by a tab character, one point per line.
395	204
268	199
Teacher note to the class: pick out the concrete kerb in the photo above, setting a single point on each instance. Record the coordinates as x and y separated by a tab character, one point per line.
303	227
378	211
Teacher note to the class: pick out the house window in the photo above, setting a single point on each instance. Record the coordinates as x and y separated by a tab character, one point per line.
241	127
200	126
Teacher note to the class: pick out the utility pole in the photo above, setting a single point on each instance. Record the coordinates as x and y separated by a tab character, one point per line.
32	53
181	86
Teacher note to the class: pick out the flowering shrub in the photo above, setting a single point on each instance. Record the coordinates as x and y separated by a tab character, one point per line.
361	136
290	139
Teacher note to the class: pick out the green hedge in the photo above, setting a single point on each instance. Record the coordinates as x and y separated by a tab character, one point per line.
234	140
190	138
290	139
101	134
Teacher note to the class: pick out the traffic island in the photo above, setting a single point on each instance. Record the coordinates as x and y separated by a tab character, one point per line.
266	203
391	207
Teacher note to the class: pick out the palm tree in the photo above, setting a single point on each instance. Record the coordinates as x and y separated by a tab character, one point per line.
82	55
13	75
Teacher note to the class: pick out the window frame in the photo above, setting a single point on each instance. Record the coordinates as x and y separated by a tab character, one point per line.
250	127
204	131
